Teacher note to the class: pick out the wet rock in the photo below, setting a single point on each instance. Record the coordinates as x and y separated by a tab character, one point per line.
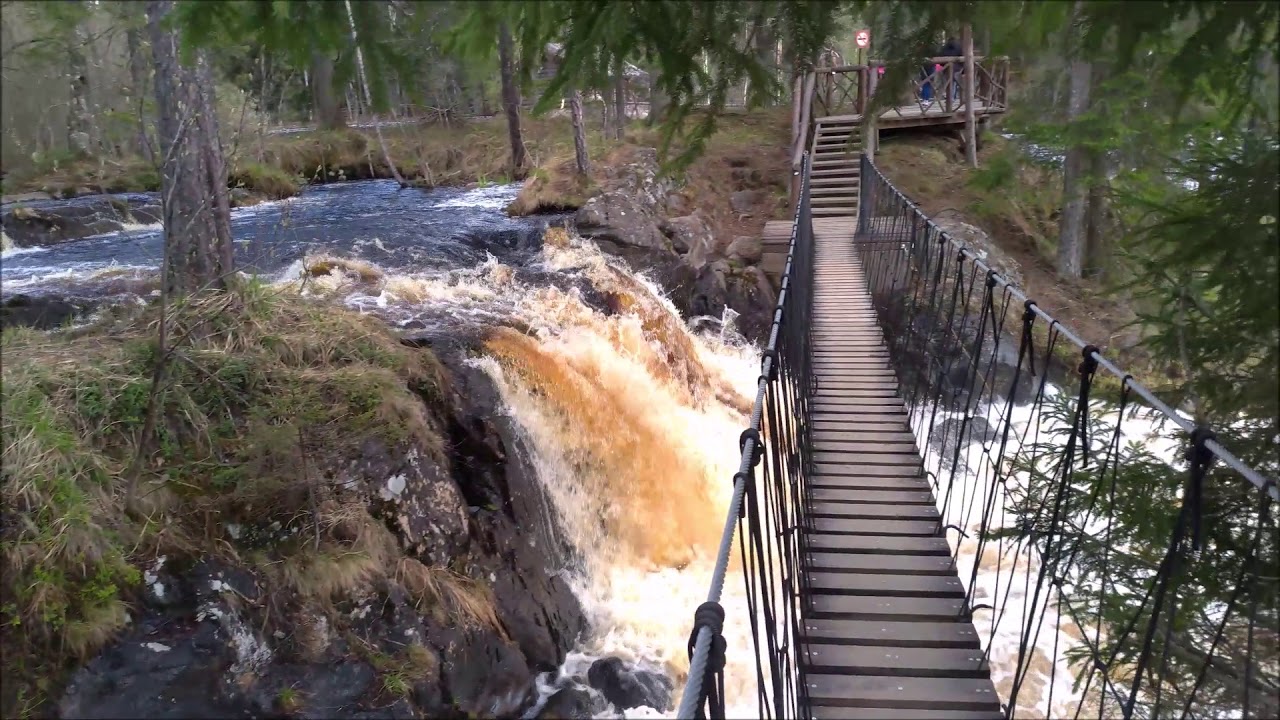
688	232
744	202
42	313
414	494
627	687
746	291
48	223
486	675
164	669
537	607
570	703
746	249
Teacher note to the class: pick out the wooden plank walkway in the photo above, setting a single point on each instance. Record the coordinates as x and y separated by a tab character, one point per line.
886	632
913	115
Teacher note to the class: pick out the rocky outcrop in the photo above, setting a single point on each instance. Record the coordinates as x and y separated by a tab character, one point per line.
42	313
981	244
637	216
626	687
37	223
214	638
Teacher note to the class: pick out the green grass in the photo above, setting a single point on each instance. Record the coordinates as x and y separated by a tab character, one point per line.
263	181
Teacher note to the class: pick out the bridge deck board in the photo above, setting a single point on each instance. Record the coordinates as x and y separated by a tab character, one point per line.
886	626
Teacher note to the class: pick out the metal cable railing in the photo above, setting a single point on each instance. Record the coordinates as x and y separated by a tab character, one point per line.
1111	570
766	512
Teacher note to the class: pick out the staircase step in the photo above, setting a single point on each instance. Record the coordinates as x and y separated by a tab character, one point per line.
830	211
830	171
843	188
834	200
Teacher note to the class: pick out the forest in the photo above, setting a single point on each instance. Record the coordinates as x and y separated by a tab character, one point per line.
152	442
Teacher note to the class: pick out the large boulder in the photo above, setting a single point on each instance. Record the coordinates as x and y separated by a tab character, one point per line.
622	225
977	240
629	687
744	290
744	202
688	232
37	223
747	249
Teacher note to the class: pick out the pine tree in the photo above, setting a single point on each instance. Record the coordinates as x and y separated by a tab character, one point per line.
197	213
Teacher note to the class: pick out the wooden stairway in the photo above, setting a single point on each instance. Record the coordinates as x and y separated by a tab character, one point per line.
837	152
834	186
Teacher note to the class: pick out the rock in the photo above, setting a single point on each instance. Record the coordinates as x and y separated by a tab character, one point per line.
25	198
161	670
51	222
486	675
626	687
980	242
746	249
744	202
621	225
747	292
414	495
495	469
688	232
42	313
677	204
570	703
210	648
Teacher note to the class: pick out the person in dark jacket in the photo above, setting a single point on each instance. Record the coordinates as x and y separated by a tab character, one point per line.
952	49
949	49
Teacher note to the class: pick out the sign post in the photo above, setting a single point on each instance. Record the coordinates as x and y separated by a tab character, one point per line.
862	39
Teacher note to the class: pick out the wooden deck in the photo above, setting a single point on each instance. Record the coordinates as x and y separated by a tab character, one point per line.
887	634
913	115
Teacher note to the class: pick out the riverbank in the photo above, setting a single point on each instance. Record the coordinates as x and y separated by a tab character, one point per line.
326	517
1010	205
276	166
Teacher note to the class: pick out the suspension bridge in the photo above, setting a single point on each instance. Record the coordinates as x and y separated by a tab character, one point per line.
947	504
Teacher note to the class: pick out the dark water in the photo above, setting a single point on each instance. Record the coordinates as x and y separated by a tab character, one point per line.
374	220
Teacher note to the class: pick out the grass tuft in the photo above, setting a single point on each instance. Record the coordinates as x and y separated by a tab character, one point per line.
263	181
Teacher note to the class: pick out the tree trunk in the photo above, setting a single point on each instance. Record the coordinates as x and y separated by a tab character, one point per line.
79	121
511	99
1075	179
970	121
579	132
620	99
138	89
197	214
324	101
368	99
1097	248
657	98
766	42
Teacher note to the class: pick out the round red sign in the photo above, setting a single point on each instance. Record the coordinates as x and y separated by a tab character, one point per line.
863	38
